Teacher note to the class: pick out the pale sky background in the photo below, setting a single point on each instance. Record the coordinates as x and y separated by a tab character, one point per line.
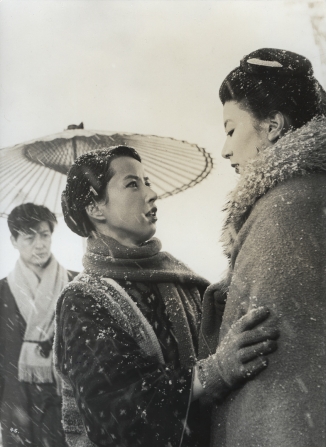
151	67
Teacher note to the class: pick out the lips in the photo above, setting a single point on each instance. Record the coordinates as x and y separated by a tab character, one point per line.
236	167
151	215
40	255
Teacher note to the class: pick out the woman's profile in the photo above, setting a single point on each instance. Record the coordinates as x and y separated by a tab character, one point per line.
127	329
275	238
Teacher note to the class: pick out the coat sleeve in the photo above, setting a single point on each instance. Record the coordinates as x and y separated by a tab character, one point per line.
2	341
124	397
212	314
280	262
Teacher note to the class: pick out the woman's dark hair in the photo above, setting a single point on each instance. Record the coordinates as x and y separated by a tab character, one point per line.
270	80
25	218
87	180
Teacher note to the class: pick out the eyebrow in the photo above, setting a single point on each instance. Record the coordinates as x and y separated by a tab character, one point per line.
135	177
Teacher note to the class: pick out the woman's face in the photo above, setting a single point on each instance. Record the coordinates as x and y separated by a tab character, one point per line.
245	136
129	207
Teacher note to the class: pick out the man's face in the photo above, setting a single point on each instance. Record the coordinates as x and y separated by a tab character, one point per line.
35	246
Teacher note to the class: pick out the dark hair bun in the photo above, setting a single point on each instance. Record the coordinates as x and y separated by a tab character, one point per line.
74	218
274	62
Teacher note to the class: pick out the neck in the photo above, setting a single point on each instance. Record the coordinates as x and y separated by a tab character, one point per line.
123	240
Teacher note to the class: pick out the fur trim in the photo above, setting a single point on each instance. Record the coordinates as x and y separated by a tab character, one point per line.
298	153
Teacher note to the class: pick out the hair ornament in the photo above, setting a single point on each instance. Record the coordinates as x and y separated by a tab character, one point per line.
256	61
93	191
274	62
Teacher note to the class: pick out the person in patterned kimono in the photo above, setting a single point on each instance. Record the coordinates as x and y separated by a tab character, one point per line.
127	327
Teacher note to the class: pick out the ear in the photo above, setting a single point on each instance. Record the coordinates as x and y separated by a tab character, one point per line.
277	124
94	211
13	241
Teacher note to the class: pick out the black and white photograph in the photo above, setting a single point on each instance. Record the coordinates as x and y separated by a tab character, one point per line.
163	223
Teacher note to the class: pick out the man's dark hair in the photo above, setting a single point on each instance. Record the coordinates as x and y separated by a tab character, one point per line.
25	218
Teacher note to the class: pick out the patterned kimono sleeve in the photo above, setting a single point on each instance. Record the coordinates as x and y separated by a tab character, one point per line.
125	397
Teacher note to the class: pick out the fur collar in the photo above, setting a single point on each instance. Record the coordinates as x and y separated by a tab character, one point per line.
298	153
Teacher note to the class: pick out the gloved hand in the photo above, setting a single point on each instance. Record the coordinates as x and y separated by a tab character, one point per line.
241	354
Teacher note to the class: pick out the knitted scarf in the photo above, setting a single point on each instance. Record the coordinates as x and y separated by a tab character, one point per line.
107	258
36	302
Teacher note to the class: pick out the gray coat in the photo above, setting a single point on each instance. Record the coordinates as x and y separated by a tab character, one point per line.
275	236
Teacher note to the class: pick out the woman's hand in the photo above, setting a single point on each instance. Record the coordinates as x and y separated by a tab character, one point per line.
239	357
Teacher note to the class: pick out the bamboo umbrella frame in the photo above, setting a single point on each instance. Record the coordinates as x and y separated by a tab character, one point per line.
36	171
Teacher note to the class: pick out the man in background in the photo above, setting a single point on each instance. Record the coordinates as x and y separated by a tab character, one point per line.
30	402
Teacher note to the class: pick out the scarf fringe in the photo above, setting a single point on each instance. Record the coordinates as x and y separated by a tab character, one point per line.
35	374
76	440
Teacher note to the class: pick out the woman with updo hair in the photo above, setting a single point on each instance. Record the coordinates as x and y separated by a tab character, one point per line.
127	328
275	238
